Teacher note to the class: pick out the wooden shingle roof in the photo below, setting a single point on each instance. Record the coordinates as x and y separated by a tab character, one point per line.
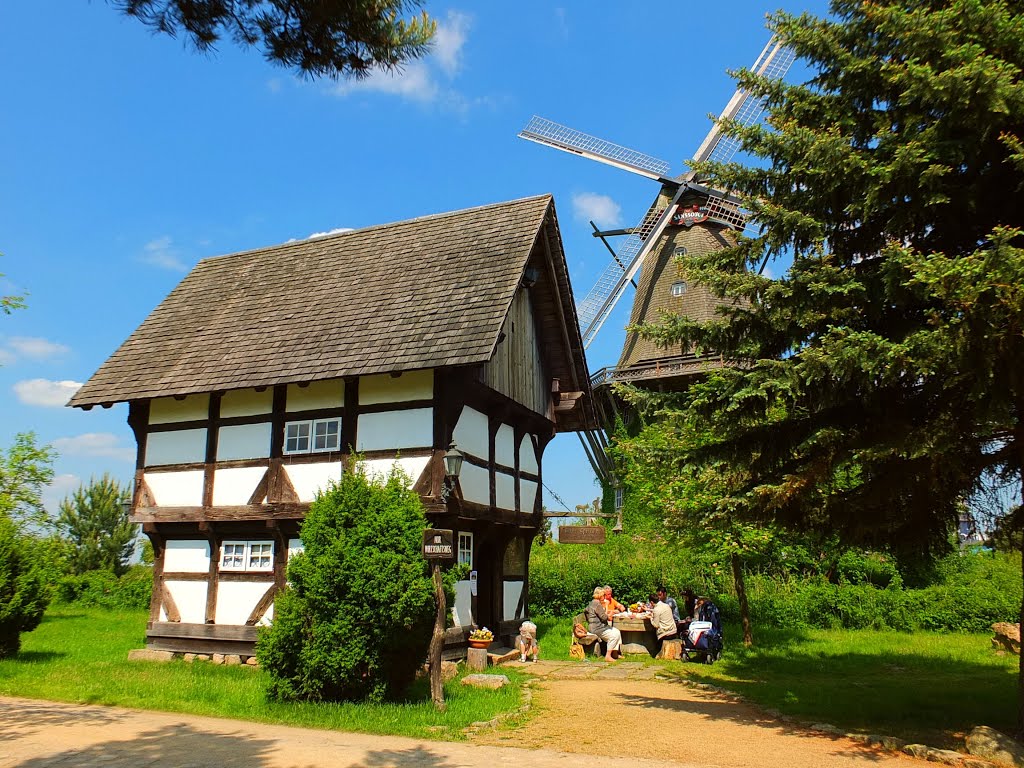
423	293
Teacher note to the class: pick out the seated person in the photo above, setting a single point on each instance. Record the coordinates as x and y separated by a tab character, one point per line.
662	594
689	603
661	618
598	623
611	605
528	640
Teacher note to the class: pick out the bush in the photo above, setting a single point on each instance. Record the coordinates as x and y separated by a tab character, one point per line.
356	621
23	594
105	590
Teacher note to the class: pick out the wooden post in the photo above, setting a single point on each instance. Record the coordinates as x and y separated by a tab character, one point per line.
437	643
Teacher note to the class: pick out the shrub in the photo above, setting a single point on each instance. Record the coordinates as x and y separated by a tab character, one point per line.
105	590
23	595
356	621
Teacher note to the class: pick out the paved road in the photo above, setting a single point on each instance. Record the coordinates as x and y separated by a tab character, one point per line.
39	734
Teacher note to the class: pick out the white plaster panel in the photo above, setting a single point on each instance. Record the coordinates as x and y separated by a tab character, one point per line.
180	446
527	495
471	434
268	617
462	613
411	385
246	402
243	441
187	556
505	446
190	597
504	490
319	394
236	599
167	410
413	466
307	479
512	591
176	489
527	455
233	487
475	483
295	546
413	428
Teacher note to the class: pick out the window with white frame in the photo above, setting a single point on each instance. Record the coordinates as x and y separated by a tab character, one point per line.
678	288
618	499
313	436
247	556
466	549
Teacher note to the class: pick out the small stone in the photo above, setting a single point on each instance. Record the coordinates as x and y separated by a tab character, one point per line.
218	658
189	657
202	657
449	670
634	649
861	737
917	750
1007	636
252	662
990	744
946	756
232	659
485	681
970	762
148	654
826	728
891	742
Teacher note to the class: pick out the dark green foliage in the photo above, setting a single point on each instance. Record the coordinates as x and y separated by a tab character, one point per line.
25	470
104	589
356	621
23	595
310	37
95	525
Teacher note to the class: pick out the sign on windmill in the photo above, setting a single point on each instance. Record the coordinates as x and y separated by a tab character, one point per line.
438	544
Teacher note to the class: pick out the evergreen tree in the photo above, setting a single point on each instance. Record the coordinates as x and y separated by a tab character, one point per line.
95	525
311	37
878	383
23	596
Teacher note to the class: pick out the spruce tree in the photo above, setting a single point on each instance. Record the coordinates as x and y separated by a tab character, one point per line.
878	383
95	525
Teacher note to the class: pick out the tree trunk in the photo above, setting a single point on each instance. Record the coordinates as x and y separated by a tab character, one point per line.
437	644
741	595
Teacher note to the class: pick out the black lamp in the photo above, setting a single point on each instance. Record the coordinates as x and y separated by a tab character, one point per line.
453	461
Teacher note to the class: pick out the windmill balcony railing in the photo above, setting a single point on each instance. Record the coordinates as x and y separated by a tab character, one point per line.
656	370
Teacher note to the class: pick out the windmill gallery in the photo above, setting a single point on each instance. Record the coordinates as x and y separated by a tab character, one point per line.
264	375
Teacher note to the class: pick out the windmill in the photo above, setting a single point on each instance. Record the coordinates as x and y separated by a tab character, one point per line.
688	215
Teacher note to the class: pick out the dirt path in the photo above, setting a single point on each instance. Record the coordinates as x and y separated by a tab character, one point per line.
666	721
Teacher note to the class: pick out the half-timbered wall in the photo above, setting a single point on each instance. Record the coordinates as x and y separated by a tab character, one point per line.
516	370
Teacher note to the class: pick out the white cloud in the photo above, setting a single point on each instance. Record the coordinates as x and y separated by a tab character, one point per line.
600	209
6	357
59	489
414	83
49	394
102	444
449	41
162	253
336	231
34	347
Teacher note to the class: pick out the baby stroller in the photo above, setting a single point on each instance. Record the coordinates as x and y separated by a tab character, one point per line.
703	638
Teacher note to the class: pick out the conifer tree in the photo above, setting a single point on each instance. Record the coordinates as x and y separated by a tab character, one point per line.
95	525
878	383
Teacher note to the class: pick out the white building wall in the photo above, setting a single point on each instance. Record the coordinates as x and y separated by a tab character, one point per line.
462	613
413	466
471	433
475	483
411	385
246	402
180	446
167	410
527	455
236	599
413	428
319	394
176	489
505	446
234	486
243	441
527	495
187	556
504	490
190	597
307	479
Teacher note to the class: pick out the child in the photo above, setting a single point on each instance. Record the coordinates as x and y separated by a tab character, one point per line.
528	640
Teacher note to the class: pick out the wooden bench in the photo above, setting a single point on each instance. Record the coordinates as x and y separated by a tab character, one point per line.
590	640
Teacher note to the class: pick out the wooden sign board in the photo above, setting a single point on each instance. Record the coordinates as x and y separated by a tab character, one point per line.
581	534
438	544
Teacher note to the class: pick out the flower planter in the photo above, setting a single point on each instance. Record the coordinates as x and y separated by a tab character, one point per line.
479	643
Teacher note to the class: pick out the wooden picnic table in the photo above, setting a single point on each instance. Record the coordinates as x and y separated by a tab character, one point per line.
637	630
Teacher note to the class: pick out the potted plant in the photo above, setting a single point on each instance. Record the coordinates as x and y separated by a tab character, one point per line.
480	638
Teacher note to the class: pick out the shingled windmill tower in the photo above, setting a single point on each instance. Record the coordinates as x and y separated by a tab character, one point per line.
688	216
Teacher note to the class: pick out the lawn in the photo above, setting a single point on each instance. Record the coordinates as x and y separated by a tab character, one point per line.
80	655
921	686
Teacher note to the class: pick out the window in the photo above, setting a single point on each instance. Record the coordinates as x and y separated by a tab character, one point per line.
679	252
618	499
678	288
247	556
316	436
466	549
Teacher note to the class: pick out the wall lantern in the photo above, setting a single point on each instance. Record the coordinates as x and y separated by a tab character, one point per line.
453	461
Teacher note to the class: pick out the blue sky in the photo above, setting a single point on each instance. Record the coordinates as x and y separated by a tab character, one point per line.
127	157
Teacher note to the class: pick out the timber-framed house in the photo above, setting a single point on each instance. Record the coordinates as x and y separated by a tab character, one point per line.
263	373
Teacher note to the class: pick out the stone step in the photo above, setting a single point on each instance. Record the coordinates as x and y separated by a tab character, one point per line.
499	654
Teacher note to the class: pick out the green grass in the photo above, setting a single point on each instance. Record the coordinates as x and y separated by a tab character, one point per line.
922	686
80	655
